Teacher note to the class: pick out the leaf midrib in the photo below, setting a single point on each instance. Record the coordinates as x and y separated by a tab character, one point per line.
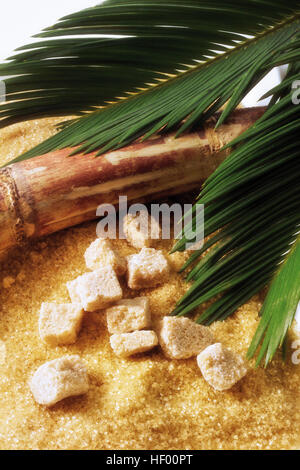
170	79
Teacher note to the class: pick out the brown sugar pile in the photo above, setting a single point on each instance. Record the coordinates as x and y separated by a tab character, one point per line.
144	402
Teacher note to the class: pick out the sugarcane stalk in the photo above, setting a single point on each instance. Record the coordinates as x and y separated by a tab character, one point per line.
51	192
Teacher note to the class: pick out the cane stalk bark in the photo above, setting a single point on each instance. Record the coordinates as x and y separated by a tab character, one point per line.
55	191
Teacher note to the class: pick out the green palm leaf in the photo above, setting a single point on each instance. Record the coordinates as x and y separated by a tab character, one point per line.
279	308
195	95
252	208
252	200
47	77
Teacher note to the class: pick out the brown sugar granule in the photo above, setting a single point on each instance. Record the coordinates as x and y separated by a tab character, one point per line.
147	402
8	281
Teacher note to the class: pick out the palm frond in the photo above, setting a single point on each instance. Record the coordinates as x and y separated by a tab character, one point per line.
252	200
46	77
78	66
252	208
279	308
195	94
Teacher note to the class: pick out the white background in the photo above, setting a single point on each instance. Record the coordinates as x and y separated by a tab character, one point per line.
20	19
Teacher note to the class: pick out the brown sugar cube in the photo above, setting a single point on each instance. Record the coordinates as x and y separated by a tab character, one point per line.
141	230
181	338
96	290
60	323
72	289
127	344
100	253
59	379
220	367
129	315
148	268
